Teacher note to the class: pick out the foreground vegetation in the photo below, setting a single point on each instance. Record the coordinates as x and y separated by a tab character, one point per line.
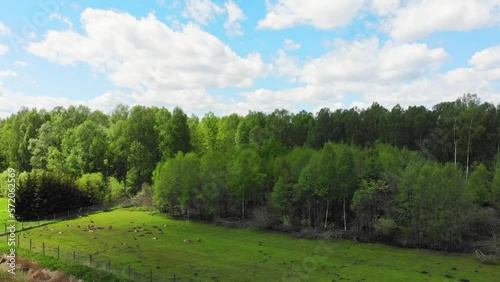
232	254
32	266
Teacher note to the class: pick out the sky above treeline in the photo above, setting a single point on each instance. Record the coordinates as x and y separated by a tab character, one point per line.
230	56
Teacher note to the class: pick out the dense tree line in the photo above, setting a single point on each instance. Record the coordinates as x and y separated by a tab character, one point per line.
414	176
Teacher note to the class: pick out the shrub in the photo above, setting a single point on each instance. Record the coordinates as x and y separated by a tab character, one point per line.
94	186
386	227
145	197
263	218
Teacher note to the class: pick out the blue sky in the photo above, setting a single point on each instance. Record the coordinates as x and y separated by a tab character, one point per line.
230	56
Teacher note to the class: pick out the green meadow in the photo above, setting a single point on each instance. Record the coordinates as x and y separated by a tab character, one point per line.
231	254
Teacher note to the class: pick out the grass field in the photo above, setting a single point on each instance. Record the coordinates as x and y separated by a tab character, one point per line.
228	254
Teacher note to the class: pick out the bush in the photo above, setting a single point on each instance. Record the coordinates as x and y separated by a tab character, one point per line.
94	186
386	228
144	198
116	190
263	218
486	259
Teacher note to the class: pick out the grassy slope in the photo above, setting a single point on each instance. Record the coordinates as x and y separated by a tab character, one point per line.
236	255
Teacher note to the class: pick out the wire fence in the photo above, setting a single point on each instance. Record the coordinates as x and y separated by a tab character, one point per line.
126	271
26	224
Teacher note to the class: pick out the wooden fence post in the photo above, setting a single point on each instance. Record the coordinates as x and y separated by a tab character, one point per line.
31	243
90	259
57	252
43	248
129	272
18	240
74	256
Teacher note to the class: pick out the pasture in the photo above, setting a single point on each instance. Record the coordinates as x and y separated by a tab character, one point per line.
230	254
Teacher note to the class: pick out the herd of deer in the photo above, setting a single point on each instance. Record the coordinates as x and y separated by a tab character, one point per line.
136	229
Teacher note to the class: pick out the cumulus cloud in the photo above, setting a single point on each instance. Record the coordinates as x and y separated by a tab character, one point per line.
202	10
366	60
287	66
487	59
384	7
234	15
390	73
318	13
154	62
11	102
141	52
406	23
292	99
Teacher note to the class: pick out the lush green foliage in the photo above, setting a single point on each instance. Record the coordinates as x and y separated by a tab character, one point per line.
414	176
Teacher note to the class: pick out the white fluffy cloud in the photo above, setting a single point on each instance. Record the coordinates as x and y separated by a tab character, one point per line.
384	7
318	13
234	15
202	10
487	59
365	60
292	99
4	49
287	66
147	55
389	73
417	19
11	102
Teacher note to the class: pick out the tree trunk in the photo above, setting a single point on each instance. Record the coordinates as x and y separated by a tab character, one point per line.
309	211
497	155
468	150
455	142
345	222
326	214
243	207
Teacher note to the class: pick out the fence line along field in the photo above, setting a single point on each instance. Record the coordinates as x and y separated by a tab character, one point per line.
203	252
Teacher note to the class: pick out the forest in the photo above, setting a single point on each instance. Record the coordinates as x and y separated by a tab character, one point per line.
412	177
